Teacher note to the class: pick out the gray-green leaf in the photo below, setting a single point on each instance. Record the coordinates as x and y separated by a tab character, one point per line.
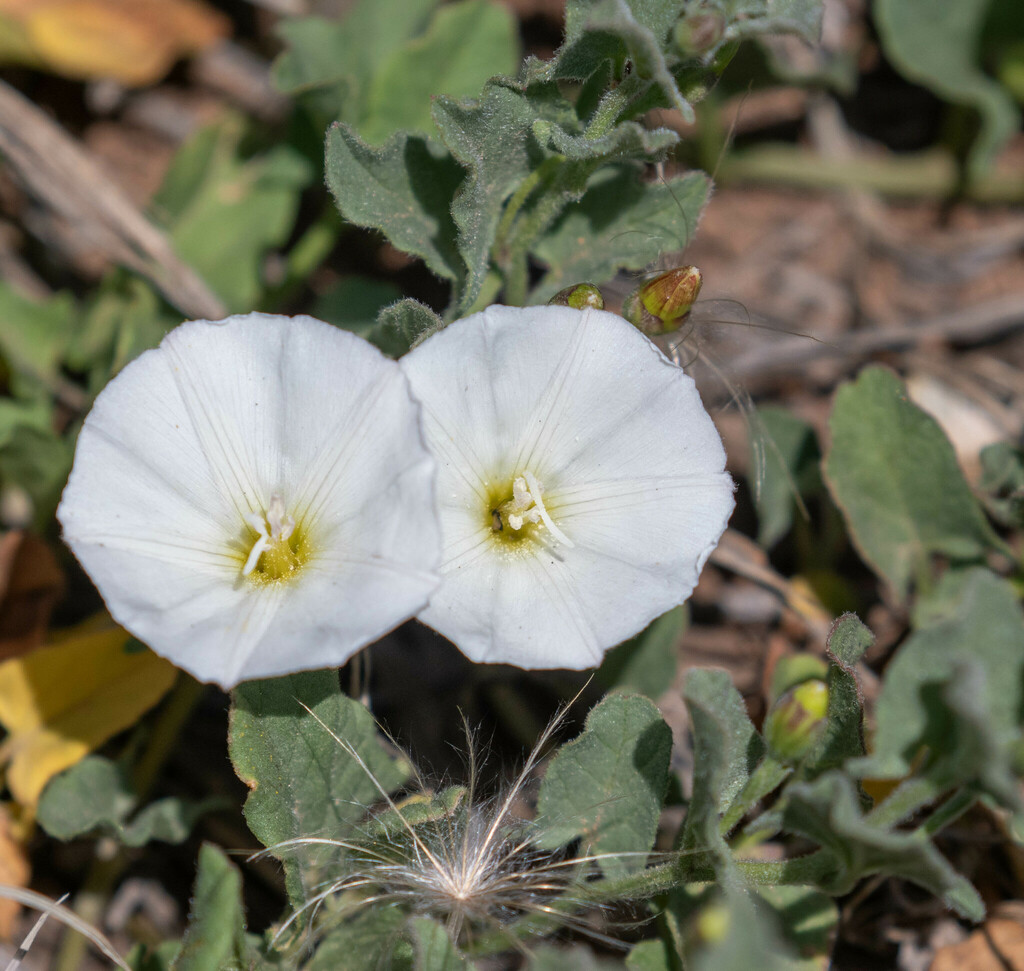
215	938
303	783
973	620
936	43
608	784
827	811
94	797
404	189
895	476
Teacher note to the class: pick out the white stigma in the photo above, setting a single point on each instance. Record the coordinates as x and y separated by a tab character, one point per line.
527	506
281	526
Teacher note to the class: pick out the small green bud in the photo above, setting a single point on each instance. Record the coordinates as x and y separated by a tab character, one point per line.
797	720
699	32
660	304
579	296
713	924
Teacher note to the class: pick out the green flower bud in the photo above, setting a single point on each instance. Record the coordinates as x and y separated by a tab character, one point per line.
579	297
797	720
699	32
660	304
712	924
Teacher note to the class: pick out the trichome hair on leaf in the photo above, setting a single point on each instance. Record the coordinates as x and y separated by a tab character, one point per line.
474	862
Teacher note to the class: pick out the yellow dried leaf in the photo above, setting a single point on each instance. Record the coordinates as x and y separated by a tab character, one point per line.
133	41
63	701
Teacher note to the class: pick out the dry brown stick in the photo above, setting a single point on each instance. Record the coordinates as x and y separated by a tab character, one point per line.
740	555
57	170
970	325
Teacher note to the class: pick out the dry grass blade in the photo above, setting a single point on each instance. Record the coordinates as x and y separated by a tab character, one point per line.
58	171
51	908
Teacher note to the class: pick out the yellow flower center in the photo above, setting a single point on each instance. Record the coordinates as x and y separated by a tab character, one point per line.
514	517
279	550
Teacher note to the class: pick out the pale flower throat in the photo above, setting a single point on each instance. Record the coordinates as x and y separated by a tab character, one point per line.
272	553
526	506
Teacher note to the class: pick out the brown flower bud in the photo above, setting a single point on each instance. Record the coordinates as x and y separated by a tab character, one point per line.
660	304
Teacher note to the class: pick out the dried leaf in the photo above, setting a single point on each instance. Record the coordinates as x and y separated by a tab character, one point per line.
61	702
133	41
14	872
998	946
30	584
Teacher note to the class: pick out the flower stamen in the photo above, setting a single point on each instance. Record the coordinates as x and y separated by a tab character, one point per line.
527	506
274	529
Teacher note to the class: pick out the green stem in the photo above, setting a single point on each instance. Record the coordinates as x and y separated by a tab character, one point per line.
905	800
953	808
767	777
111	859
696	868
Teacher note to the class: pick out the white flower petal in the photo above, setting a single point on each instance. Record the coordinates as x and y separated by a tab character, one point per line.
194	443
631	467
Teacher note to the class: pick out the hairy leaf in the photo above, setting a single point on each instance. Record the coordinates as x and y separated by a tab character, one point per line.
302	782
434	948
620	223
726	750
215	937
371	939
791	467
404	189
827	811
895	476
94	797
225	211
844	733
465	44
936	43
973	622
608	784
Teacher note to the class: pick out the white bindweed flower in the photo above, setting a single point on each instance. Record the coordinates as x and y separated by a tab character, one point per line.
581	483
254	497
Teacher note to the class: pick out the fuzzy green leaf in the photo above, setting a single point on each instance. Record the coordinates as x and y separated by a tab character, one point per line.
748	938
403	325
844	733
332	63
608	784
973	621
493	140
404	189
936	43
646	663
791	465
726	750
611	31
375	311
1002	482
37	461
225	212
650	956
895	476
465	44
827	811
302	782
35	333
372	939
807	920
434	948
620	223
93	797
215	938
